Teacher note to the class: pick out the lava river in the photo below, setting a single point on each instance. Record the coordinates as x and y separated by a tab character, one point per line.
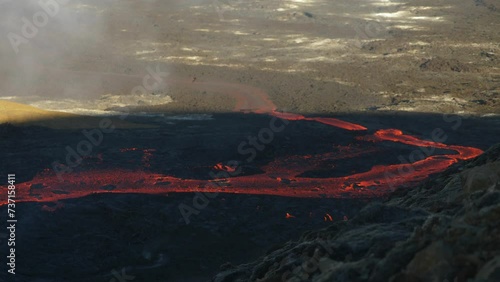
279	177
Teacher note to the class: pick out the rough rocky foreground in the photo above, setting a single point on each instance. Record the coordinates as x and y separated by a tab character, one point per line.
447	229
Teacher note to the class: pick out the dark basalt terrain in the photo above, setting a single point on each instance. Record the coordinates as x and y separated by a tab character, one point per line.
91	238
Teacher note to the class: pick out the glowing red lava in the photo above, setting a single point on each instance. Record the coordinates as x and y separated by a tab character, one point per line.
327	217
279	177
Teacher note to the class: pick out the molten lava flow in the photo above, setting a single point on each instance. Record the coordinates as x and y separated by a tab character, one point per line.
280	176
223	167
328	217
328	121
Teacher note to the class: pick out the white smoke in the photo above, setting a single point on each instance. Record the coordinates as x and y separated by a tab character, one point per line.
63	49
